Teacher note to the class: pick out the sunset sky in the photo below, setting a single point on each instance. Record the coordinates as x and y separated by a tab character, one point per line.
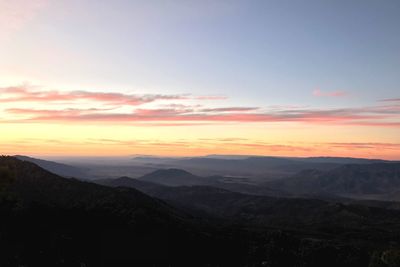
181	77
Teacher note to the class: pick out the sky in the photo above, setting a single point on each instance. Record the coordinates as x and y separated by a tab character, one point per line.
188	78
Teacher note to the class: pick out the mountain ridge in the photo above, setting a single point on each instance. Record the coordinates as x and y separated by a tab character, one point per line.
56	167
347	180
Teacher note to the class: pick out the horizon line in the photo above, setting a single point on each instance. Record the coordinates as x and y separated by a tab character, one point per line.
39	156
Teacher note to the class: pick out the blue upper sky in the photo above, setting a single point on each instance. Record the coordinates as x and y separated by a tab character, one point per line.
255	52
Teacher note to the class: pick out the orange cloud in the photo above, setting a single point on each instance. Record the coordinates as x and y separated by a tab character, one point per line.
367	145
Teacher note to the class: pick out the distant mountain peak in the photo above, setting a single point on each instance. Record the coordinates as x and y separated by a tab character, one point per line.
174	177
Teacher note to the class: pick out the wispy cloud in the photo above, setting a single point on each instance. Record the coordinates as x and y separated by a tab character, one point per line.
319	93
241	144
362	117
26	94
231	143
62	112
367	145
120	108
391	100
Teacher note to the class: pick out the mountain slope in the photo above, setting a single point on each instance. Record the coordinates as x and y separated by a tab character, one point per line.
55	167
378	179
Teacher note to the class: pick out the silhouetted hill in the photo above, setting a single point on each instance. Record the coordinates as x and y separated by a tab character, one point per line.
55	167
357	180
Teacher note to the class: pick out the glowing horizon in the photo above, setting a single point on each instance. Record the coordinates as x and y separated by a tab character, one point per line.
51	122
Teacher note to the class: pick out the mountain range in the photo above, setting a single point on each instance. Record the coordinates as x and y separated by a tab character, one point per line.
258	168
165	219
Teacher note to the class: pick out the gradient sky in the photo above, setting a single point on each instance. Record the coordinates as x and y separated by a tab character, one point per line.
295	78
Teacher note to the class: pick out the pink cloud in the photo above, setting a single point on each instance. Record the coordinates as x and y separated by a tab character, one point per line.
47	112
319	93
24	94
177	114
341	116
29	94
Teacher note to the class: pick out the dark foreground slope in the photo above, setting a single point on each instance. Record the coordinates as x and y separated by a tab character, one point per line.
51	221
47	220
